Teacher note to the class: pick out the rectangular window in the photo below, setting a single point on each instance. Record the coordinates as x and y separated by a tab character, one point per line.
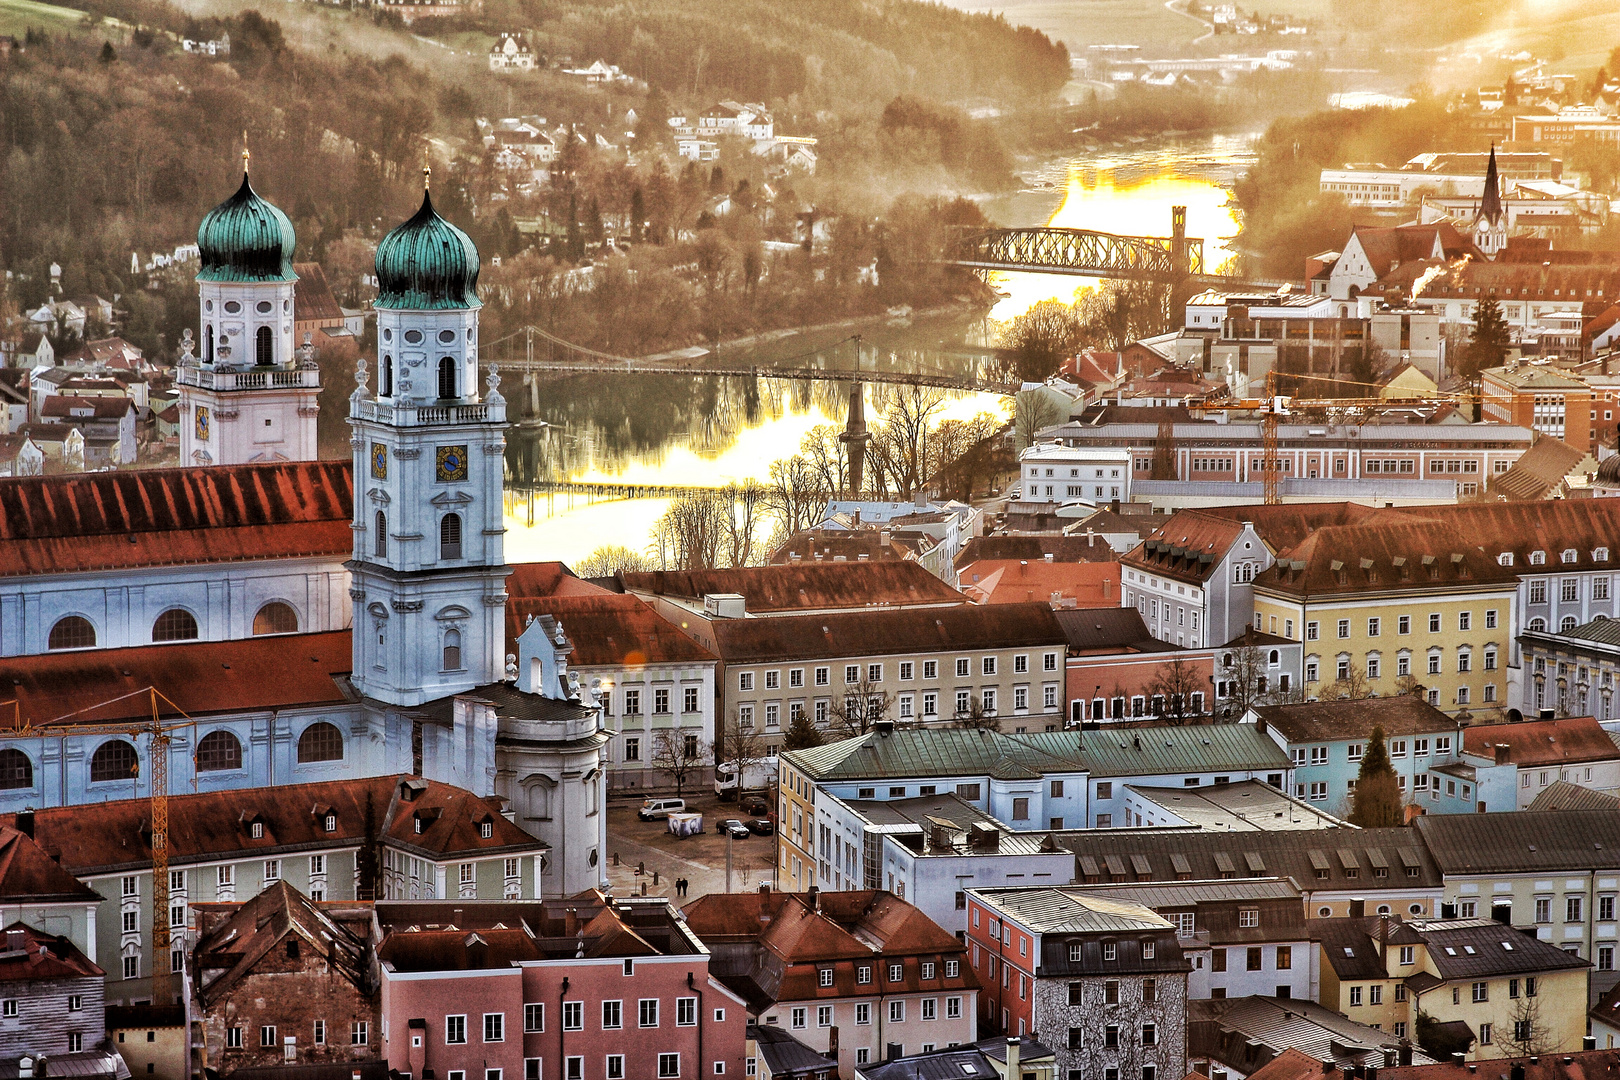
360	1033
534	1017
319	1034
1403	625
612	1015
573	1016
897	1012
615	1067
233	1038
685	1012
669	1066
267	1034
494	1027
1481	992
647	1013
455	1029
863	1014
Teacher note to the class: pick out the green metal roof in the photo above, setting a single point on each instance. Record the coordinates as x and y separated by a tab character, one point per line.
1147	751
427	264
246	239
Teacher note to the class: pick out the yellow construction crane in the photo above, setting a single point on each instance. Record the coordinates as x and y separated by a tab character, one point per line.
158	732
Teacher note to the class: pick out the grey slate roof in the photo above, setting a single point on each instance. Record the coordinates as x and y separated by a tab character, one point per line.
1054	909
783	1053
1322	721
1279	1023
1478	948
1563	795
1187	894
1523	841
1139	751
1316	861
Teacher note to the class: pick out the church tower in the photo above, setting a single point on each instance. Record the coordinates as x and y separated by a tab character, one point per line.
245	394
1490	224
429	566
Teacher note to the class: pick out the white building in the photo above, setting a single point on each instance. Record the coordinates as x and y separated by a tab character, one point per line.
1065	475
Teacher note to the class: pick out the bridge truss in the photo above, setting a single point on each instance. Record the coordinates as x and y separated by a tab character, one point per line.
1167	260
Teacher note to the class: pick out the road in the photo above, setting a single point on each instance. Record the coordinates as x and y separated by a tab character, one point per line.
1180	8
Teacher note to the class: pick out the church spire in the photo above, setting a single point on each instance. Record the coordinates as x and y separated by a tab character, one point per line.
1490	204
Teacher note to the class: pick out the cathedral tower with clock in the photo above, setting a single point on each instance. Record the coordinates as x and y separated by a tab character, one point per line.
429	567
246	394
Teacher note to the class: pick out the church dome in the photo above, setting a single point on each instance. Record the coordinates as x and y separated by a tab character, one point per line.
1609	471
246	239
427	264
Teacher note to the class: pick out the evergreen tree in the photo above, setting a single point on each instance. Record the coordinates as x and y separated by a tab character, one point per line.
1377	799
1489	344
638	214
109	55
801	734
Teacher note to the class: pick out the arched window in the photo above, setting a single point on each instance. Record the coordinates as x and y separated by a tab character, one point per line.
176	624
1538	623
388	376
275	618
113	760
447	377
264	351
380	546
16	771
320	742
208	342
452	650
72	632
450	537
1567	624
219	750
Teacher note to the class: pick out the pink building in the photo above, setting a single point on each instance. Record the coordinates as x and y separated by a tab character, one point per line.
589	988
1115	668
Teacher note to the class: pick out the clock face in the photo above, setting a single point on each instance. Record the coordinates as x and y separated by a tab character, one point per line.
379	461
204	424
452	462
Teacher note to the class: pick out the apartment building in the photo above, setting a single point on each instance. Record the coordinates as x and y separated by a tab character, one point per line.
1192	580
1513	993
1394	607
435	841
1535	753
1553	872
1103	980
591	987
1115	667
858	975
1573	669
1058	474
1540	398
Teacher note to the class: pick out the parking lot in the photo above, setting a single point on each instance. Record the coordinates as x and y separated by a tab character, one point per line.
700	859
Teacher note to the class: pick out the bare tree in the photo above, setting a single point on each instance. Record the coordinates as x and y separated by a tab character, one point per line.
976	716
826	457
609	559
680	755
1529	1035
1033	412
1171	694
795	495
1041	339
864	703
741	508
690	533
742	749
1351	687
1246	677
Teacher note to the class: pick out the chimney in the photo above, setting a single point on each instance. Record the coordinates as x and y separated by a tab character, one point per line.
1023	567
1108	588
1358	907
1458	1057
765	888
1012	1057
1500	750
1091	537
25	823
417	1053
1381	938
919	499
1406	1053
814	895
571	922
884	727
1049	557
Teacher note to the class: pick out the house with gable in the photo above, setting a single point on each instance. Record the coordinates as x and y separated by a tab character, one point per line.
1192	579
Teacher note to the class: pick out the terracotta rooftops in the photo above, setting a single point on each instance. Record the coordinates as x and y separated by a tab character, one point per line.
803	586
30	955
1404	714
1544	742
1063	549
203	827
312	296
1188	547
1386	557
84	522
73	407
886	631
233	944
200	677
609	630
28	875
536	579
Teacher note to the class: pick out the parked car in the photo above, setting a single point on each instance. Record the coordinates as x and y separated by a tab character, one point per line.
755	806
735	828
761	827
660	808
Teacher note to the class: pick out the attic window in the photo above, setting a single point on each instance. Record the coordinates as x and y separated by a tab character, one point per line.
1348	951
331	823
257	830
1508	945
1569	555
418	826
1538	558
1600	554
1505	559
486	829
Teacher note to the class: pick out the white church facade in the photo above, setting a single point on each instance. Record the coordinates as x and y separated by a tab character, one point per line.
300	620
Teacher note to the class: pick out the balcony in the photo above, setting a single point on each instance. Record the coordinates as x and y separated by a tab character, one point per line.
409	415
253	379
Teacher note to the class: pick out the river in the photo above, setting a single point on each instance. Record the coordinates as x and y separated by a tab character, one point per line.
705	431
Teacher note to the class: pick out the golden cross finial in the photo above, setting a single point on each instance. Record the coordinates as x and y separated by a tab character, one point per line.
244	150
427	175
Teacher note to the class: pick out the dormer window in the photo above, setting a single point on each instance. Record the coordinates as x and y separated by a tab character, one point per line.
1600	554
1505	559
1569	555
419	826
486	829
256	830
1538	558
331	823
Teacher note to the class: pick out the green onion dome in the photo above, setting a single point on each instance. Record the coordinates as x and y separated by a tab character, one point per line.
427	264
246	239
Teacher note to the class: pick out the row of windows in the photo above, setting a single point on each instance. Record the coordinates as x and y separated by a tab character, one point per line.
690	701
927	1009
359	1035
175	624
1569	589
1403	624
648	1015
117	759
907	671
448	375
449	536
1403	663
1318	755
1567	556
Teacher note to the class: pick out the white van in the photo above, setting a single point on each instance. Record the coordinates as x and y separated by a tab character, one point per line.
660	808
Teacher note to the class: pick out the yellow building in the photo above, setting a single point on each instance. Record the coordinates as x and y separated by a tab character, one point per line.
1386	608
1517	996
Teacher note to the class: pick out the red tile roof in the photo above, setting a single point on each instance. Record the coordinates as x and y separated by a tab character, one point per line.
1544	742
210	825
1188	547
164	517
32	955
609	630
1284	525
1012	581
202	678
1401	555
1581	1065
312	296
804	586
885	631
87	408
536	579
29	876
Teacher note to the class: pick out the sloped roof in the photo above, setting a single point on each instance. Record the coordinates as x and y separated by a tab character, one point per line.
1400	556
1550	526
232	949
199	677
609	630
532	580
1109	630
1286	524
1277	1024
312	295
74	407
1188	547
1008	581
1052	909
29	876
803	586
1577	1065
1034	548
1522	841
101	521
812	545
1544	742
1538	471
884	631
1563	795
1355	719
209	825
1476	948
32	956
